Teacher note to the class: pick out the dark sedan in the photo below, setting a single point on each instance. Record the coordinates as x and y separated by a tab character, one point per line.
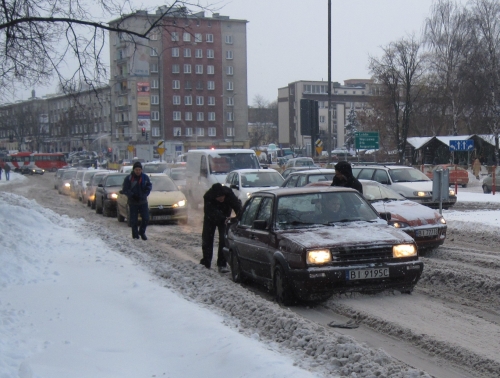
30	170
106	194
308	243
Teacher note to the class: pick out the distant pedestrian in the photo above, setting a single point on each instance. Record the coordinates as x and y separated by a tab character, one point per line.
137	187
476	168
219	201
344	177
7	172
1	172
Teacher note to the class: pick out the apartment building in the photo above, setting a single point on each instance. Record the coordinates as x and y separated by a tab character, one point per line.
353	94
185	85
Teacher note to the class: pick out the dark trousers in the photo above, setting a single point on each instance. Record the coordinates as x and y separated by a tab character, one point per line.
207	242
7	175
135	210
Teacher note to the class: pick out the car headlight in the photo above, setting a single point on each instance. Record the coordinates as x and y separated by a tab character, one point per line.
181	203
67	185
452	192
248	195
398	224
318	256
404	250
114	195
442	220
422	194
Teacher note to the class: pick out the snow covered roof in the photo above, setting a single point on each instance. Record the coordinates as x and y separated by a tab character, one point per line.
419	142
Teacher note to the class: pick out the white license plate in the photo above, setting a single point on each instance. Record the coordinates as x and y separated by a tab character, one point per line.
429	232
162	217
366	274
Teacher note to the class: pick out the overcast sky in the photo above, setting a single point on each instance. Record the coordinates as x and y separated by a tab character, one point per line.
288	39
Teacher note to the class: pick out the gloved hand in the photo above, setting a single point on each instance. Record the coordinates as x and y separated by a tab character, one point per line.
135	197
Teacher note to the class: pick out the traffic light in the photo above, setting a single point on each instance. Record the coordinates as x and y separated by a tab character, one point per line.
147	136
143	131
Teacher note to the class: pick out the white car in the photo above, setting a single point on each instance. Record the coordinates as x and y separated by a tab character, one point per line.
244	182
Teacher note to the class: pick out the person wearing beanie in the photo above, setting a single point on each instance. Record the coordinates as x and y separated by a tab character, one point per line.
344	177
219	200
137	187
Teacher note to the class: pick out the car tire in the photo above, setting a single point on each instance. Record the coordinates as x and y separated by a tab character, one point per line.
92	204
106	211
486	190
236	273
98	209
282	290
120	217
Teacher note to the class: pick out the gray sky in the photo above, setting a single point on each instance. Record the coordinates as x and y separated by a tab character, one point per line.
287	39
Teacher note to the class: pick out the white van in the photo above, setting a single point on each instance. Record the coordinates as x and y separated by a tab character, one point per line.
207	167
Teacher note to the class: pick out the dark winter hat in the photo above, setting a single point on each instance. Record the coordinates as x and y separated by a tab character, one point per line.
137	164
344	167
218	190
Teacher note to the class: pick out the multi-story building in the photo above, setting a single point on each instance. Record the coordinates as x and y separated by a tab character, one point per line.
353	94
186	85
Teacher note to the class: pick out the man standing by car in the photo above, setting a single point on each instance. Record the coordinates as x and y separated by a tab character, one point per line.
344	177
137	187
7	172
218	202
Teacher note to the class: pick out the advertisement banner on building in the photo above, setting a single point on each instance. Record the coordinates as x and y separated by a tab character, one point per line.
143	104
143	88
140	59
144	121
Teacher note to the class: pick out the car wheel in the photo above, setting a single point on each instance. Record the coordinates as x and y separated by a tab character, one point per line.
92	204
120	217
98	209
106	211
282	290
236	273
486	190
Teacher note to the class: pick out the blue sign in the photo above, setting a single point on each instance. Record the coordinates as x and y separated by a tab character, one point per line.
462	145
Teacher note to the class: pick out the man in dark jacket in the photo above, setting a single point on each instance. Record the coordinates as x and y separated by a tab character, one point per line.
343	177
7	172
218	201
137	187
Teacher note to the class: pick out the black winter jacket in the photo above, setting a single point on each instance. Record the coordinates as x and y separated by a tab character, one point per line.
216	211
137	188
348	180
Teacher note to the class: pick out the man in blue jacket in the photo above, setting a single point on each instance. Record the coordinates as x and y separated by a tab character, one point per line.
137	187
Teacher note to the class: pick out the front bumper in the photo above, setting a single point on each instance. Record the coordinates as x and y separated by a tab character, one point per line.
427	201
167	214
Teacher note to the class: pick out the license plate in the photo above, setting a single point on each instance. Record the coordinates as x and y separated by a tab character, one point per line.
365	274
161	217
429	232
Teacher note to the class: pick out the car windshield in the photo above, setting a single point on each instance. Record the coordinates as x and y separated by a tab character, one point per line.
69	174
261	179
97	179
88	175
407	175
178	174
325	208
304	163
154	168
225	163
115	180
163	184
375	192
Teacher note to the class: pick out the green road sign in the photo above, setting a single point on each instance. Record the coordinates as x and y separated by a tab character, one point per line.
367	140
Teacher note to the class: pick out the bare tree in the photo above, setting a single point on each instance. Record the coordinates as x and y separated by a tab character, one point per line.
263	117
400	71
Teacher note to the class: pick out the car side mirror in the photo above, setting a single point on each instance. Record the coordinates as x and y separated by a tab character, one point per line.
386	216
100	186
234	186
231	221
260	224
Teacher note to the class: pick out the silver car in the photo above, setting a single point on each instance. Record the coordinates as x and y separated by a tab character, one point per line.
488	182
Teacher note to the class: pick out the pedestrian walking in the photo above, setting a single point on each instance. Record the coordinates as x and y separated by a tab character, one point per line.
137	187
7	172
218	202
476	168
1	172
344	177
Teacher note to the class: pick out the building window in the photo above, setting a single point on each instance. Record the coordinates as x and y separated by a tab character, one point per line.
200	131
199	100
154	83
175	36
229	70
155	115
153	67
322	119
210	85
175	52
186	37
211	100
229	116
211	116
198	69
187	84
176	100
155	99
199	116
153	52
210	38
188	116
212	131
155	131
177	115
229	86
199	85
187	68
175	68
177	131
198	38
229	39
188	100
210	70
230	131
210	53
230	101
189	131
198	53
229	54
187	53
176	84
154	36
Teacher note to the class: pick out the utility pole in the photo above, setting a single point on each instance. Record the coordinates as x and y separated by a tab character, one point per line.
329	144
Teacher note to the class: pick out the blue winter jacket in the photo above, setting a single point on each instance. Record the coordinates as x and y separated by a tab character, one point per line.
137	188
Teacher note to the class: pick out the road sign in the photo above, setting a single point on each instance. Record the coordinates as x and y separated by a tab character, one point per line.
319	143
160	142
367	140
130	148
462	145
160	150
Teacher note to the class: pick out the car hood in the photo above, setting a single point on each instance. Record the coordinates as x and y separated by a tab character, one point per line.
407	188
165	198
349	234
409	212
256	189
111	189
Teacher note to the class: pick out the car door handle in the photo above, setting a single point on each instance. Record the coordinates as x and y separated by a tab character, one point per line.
252	236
